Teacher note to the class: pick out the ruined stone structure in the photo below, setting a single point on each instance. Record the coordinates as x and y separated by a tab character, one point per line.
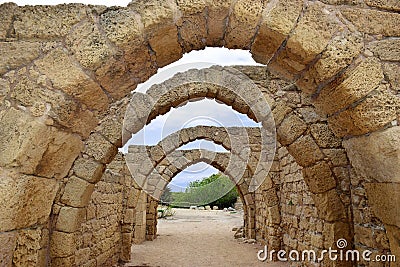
331	81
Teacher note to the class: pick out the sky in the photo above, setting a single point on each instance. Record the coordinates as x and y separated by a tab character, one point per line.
205	112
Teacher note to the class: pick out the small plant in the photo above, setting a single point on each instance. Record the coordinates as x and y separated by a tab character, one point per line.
290	203
165	212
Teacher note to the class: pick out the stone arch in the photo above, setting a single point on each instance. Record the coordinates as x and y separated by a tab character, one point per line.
179	160
331	62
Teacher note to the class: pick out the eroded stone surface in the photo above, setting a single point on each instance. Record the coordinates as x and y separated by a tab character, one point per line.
25	200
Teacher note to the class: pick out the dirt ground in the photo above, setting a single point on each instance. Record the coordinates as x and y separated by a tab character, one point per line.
198	238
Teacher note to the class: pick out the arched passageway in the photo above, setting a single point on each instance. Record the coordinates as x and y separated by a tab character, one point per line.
65	90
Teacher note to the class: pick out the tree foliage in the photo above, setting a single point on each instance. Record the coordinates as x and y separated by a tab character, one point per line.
216	190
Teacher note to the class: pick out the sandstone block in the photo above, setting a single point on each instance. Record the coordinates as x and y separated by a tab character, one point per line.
65	75
62	244
7	11
56	164
16	54
8	241
88	169
100	149
243	21
337	55
377	110
393	234
305	151
277	23
310	37
217	19
77	192
319	178
392	71
377	156
384	4
382	197
387	49
25	140
329	205
160	30
291	128
324	136
351	87
373	21
70	219
25	200
88	45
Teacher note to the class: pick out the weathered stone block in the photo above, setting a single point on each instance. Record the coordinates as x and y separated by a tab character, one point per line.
88	45
319	178
377	156
373	113
65	75
324	136
218	13
25	140
69	219
305	151
329	205
350	87
291	128
16	54
77	192
54	163
243	22
373	21
88	169
277	22
62	244
8	241
310	37
100	149
384	200
25	200
47	22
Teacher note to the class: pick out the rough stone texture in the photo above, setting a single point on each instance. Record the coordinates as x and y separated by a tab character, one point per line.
217	18
25	200
8	241
77	192
305	151
377	156
310	37
337	55
290	129
392	71
382	197
384	4
373	21
387	49
373	113
243	22
277	22
65	75
88	46
352	86
16	54
319	178
47	21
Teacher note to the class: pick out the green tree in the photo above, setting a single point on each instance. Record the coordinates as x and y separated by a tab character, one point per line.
216	190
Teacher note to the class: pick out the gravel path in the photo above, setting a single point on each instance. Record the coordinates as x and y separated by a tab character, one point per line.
197	238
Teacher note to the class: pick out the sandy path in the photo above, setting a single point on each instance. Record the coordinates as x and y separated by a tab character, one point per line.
197	238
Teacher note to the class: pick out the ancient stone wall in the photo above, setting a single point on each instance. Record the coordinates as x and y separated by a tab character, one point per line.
66	73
